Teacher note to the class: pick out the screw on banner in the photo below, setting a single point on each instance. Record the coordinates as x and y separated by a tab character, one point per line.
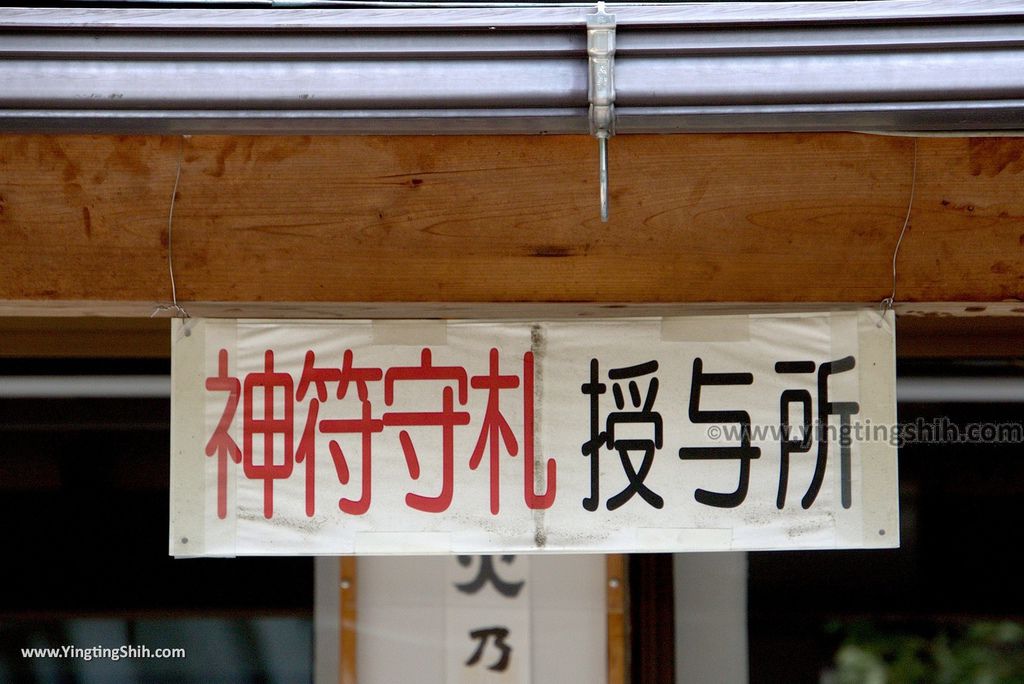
174	305
887	303
601	90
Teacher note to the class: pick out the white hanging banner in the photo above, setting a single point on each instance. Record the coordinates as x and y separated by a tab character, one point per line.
461	619
738	432
488	618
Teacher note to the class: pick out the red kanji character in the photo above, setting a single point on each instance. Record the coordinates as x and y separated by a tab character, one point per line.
306	450
319	377
269	425
366	426
447	418
221	442
533	499
495	426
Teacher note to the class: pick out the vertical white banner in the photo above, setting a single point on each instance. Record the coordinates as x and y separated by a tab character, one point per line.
414	625
487	618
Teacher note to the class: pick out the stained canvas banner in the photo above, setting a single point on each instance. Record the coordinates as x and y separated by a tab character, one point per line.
704	432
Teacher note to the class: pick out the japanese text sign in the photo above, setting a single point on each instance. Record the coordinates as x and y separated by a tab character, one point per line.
488	619
734	432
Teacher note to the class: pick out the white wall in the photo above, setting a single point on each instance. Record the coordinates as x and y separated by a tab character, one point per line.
711	618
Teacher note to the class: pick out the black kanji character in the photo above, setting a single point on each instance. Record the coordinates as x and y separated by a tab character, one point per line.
499	634
788	445
744	453
826	408
641	411
488	573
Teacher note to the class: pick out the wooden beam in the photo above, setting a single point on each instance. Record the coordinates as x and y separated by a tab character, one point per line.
918	336
695	218
37	337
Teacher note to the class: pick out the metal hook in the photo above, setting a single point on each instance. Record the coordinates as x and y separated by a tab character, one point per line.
602	152
601	91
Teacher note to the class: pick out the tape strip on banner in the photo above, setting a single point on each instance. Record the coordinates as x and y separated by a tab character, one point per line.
706	329
410	333
880	482
382	543
188	477
693	539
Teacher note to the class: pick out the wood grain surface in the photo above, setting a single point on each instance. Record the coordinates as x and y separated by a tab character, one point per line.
694	218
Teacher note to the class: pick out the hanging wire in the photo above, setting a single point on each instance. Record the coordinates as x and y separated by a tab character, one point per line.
174	306
888	302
